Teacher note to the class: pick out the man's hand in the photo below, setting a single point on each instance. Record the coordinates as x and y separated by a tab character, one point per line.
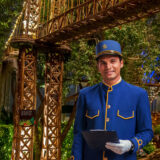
119	148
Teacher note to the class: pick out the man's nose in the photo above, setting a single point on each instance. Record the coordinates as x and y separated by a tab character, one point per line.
108	65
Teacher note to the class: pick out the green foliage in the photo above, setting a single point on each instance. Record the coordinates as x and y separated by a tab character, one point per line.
157	130
80	66
41	59
37	141
149	148
6	135
67	143
5	118
131	37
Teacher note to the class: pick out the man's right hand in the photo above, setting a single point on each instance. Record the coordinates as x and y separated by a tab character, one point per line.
119	148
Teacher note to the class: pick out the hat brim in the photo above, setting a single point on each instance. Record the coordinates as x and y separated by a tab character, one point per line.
114	53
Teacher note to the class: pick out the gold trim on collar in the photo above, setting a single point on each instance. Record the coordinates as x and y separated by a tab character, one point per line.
113	84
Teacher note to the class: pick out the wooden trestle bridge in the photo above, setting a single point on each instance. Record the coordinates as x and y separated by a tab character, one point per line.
51	24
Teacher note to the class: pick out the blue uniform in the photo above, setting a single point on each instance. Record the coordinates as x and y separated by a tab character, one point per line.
122	107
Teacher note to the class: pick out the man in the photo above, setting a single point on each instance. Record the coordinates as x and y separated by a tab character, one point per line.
112	105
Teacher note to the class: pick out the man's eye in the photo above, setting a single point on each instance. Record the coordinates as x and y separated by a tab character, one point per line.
103	63
113	60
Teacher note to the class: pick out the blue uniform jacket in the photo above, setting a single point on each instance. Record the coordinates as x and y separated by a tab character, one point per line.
122	107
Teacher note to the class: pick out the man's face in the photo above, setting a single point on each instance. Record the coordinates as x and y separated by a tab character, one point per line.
109	66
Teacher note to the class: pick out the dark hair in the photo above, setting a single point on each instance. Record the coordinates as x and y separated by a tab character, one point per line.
120	58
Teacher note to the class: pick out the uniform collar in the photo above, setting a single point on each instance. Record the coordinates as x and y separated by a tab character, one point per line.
108	87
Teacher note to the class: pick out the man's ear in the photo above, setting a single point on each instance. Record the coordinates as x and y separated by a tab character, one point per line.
97	66
122	63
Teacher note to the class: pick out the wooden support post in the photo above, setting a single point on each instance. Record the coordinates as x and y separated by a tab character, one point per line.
22	148
51	145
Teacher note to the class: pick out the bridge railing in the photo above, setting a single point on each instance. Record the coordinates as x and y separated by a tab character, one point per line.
76	14
18	26
40	18
26	23
53	8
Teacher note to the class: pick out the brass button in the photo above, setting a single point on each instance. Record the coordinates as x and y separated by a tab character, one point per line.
107	119
108	106
110	89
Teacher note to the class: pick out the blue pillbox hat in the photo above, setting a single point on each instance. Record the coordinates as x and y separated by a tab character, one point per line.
108	47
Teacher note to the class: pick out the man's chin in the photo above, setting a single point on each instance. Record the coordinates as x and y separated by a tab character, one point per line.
110	79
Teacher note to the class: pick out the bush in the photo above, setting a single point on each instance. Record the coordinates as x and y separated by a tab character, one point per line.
67	143
6	136
157	129
149	148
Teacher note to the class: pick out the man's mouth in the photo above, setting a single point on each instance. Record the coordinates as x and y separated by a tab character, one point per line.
109	72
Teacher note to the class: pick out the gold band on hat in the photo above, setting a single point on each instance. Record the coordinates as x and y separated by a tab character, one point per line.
109	52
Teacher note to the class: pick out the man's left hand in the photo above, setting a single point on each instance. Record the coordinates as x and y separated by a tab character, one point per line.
119	148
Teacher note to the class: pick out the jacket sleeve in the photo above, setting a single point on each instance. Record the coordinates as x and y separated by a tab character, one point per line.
79	125
144	132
